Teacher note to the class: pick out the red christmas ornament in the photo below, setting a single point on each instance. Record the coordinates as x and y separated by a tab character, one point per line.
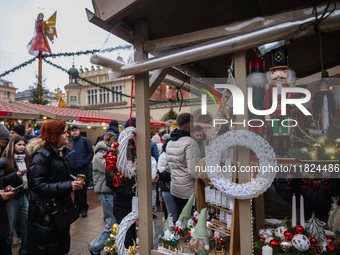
131	138
299	229
112	149
330	247
313	240
329	239
261	239
116	144
219	241
133	147
288	235
274	243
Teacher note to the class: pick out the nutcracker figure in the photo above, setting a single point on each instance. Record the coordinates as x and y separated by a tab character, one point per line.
257	80
279	75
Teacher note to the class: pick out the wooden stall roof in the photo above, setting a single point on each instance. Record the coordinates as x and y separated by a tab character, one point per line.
167	19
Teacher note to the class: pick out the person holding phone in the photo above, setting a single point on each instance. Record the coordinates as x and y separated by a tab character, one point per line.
5	194
49	180
13	169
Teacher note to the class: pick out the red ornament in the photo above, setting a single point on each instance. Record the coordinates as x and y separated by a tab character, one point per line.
299	229
116	144
313	240
288	235
219	241
329	239
112	149
261	239
131	138
194	219
133	147
274	243
330	247
189	234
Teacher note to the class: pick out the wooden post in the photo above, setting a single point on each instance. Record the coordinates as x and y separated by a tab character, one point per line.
40	77
243	157
144	145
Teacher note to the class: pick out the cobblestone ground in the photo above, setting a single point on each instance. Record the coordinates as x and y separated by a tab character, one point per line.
84	230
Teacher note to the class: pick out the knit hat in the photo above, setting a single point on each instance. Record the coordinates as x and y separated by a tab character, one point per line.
201	227
4	133
186	212
133	122
156	138
165	137
166	226
113	123
19	129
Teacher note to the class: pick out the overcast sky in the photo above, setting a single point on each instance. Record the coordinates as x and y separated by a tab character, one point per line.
75	33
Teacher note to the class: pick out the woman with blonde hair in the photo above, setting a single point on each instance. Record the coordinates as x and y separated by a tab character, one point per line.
49	182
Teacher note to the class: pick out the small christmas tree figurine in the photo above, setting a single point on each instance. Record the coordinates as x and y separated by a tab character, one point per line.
314	228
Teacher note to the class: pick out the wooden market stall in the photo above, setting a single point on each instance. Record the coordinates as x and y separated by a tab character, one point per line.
199	39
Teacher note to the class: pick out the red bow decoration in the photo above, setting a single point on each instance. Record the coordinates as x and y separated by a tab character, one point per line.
117	179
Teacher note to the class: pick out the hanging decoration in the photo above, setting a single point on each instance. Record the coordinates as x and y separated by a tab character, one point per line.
126	139
18	67
111	163
262	149
125	224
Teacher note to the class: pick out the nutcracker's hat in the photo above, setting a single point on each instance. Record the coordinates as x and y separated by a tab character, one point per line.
279	58
201	227
256	65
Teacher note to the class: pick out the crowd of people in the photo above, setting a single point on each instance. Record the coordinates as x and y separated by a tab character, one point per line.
38	173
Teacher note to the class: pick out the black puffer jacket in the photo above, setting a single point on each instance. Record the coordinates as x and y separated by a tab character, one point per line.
4	229
12	178
48	177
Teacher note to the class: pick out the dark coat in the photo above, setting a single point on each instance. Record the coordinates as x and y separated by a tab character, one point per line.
112	129
12	178
4	230
83	155
48	177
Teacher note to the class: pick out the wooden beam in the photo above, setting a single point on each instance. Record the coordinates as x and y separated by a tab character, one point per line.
156	79
144	146
221	31
123	33
243	157
106	10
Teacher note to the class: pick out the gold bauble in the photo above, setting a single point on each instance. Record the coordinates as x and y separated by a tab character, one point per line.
331	151
313	155
304	149
316	146
322	140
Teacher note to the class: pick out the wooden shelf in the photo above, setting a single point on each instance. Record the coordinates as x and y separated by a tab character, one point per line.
221	208
220	227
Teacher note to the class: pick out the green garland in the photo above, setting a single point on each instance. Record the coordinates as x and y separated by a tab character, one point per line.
26	63
169	242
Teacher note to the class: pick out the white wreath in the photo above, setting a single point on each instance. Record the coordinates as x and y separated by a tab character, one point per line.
124	226
125	166
262	149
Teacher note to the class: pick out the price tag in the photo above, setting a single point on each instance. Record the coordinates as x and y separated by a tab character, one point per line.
135	204
171	222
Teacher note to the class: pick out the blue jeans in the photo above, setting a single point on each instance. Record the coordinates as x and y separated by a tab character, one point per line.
17	208
170	205
154	197
106	201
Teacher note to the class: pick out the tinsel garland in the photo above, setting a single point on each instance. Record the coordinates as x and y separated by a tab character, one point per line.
84	79
26	63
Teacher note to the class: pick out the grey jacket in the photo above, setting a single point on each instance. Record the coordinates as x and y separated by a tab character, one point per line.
99	168
182	156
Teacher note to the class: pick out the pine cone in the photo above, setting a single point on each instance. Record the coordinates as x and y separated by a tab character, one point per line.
317	249
336	244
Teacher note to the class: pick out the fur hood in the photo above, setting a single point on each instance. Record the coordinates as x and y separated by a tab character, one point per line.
34	145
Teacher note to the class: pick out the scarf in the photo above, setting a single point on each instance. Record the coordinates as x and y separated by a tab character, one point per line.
21	165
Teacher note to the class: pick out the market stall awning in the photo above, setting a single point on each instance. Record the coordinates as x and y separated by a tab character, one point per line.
10	111
55	112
